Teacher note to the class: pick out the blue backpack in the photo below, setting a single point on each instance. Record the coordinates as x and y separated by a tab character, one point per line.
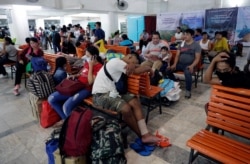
39	64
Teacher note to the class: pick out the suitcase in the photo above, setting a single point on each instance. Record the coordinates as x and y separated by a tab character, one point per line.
36	105
69	160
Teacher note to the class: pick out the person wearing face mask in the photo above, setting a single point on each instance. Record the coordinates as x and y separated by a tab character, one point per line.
227	73
64	104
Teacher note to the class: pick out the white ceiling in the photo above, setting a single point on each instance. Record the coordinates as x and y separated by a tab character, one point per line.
53	8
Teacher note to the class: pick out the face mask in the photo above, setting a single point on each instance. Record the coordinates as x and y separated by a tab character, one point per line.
224	75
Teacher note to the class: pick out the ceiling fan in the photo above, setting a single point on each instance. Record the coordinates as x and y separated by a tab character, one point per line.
122	4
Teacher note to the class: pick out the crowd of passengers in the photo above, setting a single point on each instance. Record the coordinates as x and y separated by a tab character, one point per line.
156	56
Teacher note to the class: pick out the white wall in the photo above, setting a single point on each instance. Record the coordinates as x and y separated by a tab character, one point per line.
138	6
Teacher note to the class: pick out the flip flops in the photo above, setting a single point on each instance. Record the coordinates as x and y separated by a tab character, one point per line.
164	142
141	148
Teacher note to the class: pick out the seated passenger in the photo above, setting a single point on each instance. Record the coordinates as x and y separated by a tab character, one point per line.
128	104
197	35
60	70
24	46
186	59
227	73
7	54
64	104
220	44
127	42
247	66
22	60
153	50
178	35
166	58
205	44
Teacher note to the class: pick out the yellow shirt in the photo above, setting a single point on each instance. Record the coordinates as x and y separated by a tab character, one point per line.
221	45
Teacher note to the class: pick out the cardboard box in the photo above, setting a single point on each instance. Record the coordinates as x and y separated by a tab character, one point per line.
69	160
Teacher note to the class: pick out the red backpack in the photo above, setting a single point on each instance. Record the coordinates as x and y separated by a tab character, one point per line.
76	134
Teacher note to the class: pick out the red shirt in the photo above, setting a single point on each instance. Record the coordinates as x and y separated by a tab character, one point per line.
84	73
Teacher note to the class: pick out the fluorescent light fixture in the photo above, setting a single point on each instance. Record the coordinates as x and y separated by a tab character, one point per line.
28	7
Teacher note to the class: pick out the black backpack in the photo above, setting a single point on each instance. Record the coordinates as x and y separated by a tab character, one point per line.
41	84
107	146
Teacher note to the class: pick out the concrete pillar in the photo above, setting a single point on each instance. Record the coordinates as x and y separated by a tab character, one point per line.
18	23
109	23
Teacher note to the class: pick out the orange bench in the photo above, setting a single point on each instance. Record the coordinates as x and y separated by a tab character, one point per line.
120	49
228	110
198	72
51	59
138	85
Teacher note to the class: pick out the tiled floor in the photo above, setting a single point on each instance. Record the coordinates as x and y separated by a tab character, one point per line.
22	139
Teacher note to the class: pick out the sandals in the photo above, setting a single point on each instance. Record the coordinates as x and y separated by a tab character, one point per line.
164	142
141	148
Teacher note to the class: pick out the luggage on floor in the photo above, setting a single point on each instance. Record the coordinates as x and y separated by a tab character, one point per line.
107	146
41	84
69	160
36	105
48	115
76	133
51	144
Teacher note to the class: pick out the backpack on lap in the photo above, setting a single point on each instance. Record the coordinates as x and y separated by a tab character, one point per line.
38	64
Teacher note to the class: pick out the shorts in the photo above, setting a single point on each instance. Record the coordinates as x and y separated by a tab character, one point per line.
115	104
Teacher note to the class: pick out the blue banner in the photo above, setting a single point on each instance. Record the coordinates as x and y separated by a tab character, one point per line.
242	33
223	19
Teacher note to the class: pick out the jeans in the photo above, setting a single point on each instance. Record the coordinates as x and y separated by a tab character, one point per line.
64	105
57	48
3	60
187	74
20	69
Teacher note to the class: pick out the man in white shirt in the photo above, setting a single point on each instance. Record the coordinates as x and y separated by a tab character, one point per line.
153	51
106	96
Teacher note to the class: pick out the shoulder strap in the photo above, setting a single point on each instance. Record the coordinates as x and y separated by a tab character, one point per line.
107	73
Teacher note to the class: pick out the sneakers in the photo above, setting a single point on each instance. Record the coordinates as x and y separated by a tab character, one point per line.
16	90
5	76
188	94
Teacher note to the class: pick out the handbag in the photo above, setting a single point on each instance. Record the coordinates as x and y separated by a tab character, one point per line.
48	115
122	84
69	87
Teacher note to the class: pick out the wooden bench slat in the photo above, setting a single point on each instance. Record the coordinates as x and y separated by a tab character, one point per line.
241	112
234	118
227	140
229	102
228	96
237	91
228	110
209	146
224	126
224	147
